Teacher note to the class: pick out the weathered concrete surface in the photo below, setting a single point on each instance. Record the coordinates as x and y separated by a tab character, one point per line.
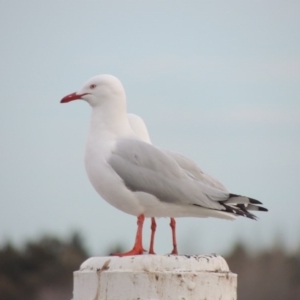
155	277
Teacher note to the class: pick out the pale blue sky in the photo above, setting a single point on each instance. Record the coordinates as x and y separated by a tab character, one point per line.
218	81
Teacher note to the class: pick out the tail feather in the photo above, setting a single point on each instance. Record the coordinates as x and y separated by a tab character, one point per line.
256	207
239	210
240	206
254	201
233	198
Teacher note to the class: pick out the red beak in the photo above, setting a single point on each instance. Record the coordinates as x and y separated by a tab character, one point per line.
70	97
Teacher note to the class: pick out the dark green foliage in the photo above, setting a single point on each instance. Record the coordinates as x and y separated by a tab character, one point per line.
43	270
40	269
269	275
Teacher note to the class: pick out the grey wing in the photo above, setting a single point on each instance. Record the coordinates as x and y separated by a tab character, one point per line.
192	169
145	168
185	163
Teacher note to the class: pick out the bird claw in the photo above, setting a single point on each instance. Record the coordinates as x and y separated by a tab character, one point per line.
134	251
174	251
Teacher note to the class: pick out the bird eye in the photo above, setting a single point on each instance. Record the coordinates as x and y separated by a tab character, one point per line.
92	86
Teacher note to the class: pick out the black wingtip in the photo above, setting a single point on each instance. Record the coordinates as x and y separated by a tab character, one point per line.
260	208
240	210
254	201
233	195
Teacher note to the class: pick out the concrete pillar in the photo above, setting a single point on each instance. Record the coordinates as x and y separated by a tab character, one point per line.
155	277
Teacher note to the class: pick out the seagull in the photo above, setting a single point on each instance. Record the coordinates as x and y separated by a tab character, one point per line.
139	178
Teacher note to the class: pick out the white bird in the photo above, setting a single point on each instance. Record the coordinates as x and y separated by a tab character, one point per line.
138	178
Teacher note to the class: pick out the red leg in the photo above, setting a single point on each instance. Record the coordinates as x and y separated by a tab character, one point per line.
173	226
138	247
153	228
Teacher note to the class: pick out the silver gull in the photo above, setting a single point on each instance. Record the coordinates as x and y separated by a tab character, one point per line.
139	178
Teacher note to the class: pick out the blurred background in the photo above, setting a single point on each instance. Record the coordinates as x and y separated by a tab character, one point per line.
218	81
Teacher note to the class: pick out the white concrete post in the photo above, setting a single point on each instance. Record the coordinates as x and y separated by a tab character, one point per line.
155	277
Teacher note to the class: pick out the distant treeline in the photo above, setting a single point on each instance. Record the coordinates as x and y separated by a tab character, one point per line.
269	275
43	270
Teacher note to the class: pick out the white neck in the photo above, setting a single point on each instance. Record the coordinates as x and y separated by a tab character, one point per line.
110	122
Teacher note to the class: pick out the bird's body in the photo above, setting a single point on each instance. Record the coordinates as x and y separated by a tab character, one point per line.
138	178
106	150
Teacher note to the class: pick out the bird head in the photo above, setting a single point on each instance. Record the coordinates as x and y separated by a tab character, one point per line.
98	90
